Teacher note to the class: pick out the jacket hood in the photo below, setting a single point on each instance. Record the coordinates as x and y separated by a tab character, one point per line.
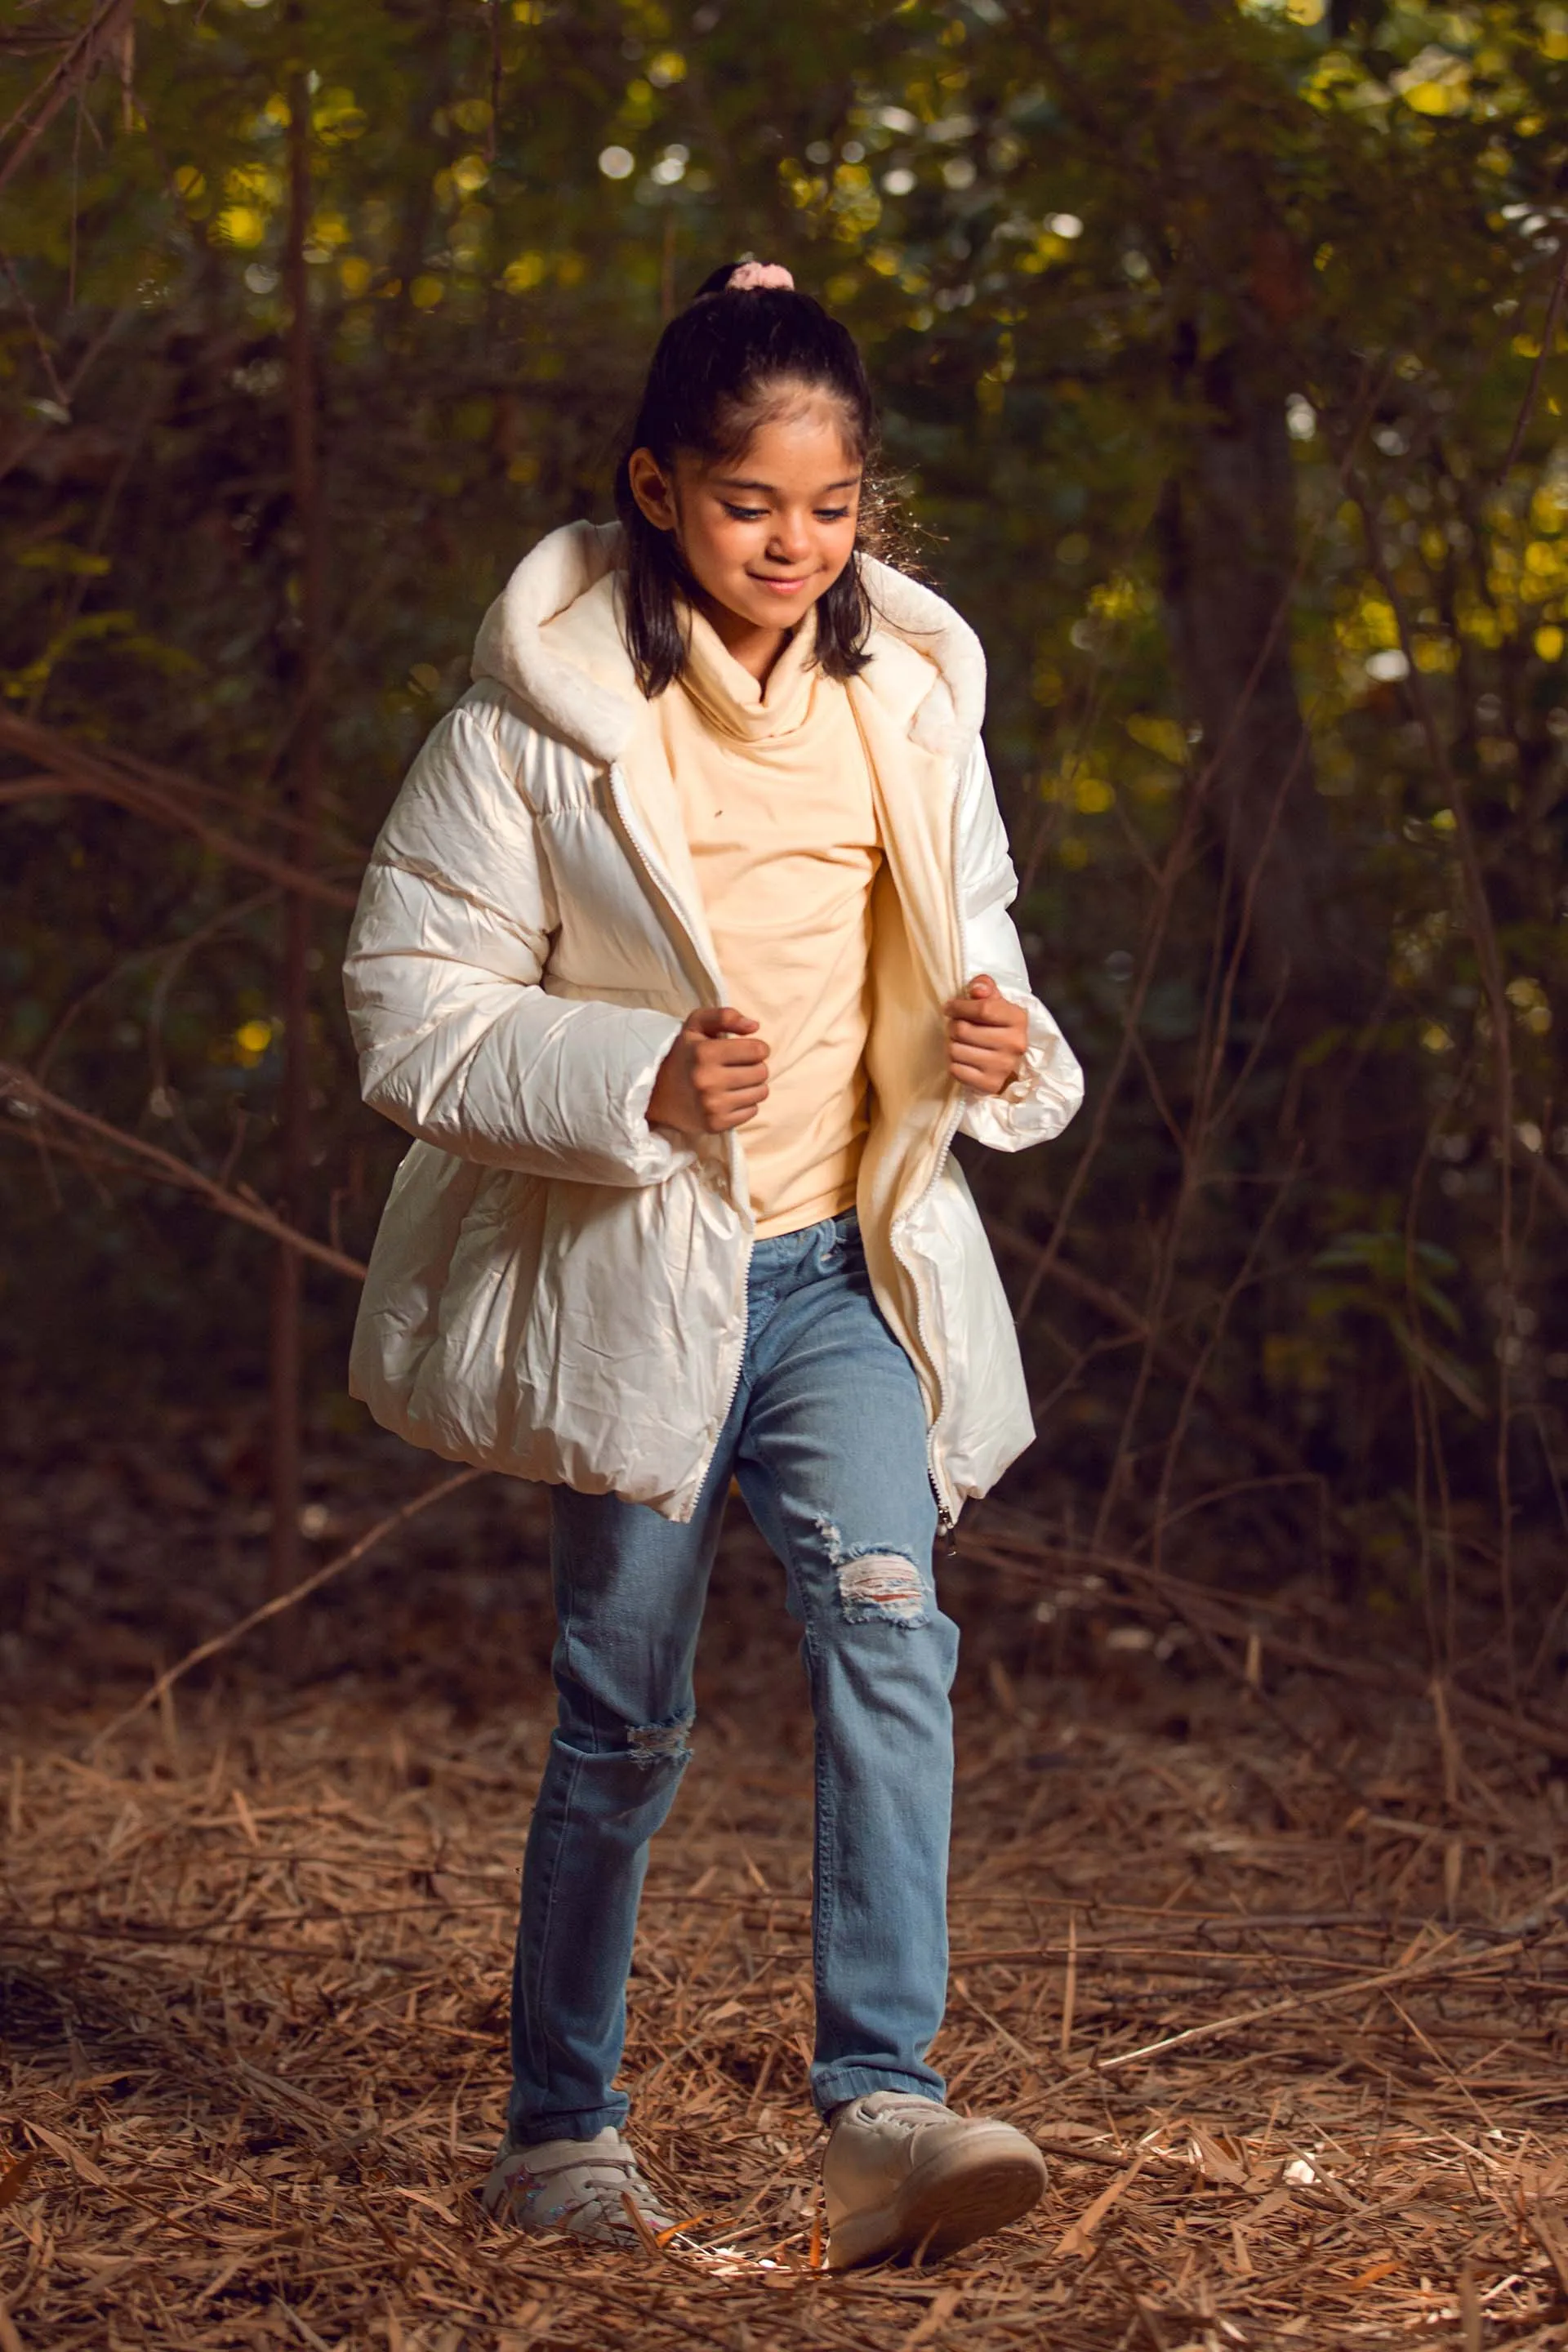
926	665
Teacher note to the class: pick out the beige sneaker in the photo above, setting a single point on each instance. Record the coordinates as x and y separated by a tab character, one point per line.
904	2176
575	2185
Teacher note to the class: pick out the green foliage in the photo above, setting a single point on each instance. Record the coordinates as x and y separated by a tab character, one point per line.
1044	225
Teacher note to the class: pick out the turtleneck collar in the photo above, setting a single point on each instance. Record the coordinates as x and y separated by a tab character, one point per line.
731	701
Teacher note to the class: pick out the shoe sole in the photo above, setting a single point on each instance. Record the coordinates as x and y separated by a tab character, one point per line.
956	2196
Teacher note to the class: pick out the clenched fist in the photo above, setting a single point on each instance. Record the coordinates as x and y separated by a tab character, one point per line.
986	1038
714	1075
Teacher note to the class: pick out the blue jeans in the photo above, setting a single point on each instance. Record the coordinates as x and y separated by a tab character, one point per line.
826	1437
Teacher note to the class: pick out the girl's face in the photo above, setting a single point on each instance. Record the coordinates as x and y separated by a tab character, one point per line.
764	534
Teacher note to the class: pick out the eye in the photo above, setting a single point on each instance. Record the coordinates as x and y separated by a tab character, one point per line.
744	514
831	514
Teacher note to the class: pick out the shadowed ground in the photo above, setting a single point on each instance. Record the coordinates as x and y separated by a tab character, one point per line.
253	1955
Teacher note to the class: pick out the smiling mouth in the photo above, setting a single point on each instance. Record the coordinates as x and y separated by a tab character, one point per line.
785	587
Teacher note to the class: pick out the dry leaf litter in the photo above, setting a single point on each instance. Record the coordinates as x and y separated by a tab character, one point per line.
1269	1955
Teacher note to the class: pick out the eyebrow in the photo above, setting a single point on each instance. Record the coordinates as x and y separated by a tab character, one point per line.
737	482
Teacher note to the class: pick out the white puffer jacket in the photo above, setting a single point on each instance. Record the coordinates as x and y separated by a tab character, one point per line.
559	1290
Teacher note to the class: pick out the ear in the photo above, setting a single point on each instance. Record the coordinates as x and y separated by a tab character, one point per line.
654	493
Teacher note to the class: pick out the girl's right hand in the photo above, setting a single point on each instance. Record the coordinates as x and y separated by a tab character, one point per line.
713	1077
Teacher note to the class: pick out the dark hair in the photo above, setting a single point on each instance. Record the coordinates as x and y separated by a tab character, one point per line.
716	371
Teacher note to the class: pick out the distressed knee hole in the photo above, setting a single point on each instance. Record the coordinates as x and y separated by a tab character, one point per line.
661	1743
882	1584
875	1584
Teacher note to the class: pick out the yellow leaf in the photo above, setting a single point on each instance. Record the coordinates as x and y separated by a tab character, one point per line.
1161	735
242	225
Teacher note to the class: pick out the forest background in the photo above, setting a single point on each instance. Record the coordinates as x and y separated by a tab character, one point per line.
1221	350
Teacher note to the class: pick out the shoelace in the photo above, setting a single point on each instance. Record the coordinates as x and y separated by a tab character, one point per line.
579	2189
908	2105
911	2114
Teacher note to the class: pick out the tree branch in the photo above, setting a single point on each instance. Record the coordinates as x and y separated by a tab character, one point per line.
81	775
282	1600
63	80
24	1093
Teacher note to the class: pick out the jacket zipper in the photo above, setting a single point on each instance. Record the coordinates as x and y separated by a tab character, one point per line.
947	1517
671	898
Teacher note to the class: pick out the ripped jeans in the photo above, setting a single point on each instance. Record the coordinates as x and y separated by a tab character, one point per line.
826	1437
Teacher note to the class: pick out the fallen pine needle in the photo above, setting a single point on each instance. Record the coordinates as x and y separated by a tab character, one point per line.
944	2304
1076	2240
1427	1966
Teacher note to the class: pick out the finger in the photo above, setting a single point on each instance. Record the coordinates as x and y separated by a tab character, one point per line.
978	1057
720	1021
735	1053
980	990
994	1011
984	1033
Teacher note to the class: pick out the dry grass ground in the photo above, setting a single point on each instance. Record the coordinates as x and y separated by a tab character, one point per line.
1275	1971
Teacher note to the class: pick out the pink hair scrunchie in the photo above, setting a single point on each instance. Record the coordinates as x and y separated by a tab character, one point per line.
751	275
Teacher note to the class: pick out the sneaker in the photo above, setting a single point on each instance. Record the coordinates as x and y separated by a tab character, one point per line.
904	2177
575	2185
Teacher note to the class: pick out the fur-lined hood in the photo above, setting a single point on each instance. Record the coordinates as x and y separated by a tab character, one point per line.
926	665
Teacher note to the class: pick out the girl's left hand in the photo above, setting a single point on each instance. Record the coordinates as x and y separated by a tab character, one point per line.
986	1038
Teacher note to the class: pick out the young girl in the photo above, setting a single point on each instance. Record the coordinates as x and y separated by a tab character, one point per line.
684	955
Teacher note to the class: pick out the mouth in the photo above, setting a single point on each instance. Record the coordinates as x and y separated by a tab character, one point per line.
780	587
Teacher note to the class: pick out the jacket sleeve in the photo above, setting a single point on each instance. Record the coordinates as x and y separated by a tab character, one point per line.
457	1041
1049	1087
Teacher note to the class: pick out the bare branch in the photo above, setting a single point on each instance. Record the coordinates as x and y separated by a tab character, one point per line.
70	767
104	32
20	1087
282	1600
1548	337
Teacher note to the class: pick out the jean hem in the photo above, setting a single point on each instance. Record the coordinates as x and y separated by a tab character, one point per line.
833	2085
582	2123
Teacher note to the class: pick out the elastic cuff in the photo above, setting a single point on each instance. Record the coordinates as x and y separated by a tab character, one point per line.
583	2123
831	2085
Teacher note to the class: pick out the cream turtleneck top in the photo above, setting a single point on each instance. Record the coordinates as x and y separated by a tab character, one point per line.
775	788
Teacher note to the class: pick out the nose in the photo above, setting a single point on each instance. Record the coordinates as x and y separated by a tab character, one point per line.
790	540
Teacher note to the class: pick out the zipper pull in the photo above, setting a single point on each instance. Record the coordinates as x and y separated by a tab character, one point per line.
947	1529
